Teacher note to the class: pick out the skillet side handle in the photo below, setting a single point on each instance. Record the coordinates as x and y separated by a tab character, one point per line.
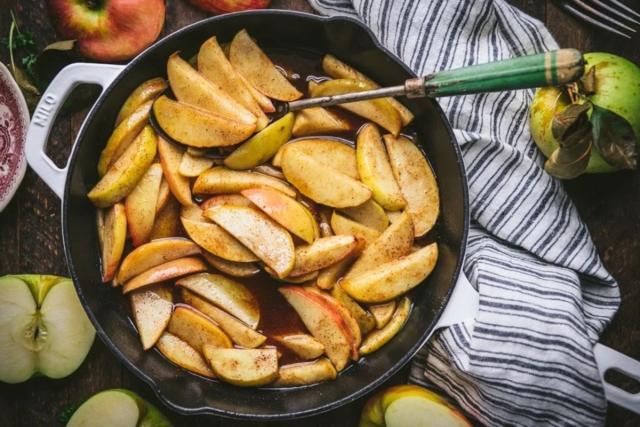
607	358
47	110
463	304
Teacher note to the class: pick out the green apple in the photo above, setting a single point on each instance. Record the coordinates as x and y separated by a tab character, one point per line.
617	88
117	408
410	406
43	328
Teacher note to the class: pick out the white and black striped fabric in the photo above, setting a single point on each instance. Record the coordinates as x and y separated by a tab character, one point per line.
545	297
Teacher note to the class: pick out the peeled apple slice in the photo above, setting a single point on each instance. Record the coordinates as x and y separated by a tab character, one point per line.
43	328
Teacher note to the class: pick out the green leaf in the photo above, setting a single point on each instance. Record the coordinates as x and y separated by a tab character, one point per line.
572	129
614	138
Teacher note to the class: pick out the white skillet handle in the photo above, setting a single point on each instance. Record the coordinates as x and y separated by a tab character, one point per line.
47	110
607	358
462	305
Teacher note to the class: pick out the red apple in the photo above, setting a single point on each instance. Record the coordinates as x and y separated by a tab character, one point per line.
224	6
109	30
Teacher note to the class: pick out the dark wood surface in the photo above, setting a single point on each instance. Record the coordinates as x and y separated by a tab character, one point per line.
30	238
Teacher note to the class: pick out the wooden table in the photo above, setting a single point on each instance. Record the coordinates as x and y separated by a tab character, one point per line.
30	235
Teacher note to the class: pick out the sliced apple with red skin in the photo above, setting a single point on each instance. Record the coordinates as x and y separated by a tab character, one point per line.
192	166
183	355
382	313
297	374
229	295
370	214
167	223
250	61
238	331
166	271
151	308
170	158
232	268
343	225
226	199
318	121
265	238
380	337
389	280
220	180
195	329
140	205
252	367
322	253
323	321
147	91
303	345
286	211
331	153
114	237
366	321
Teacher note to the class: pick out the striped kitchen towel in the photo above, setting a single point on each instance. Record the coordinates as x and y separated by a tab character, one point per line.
545	297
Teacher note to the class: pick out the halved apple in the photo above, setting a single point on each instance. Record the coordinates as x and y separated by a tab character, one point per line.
304	346
151	308
382	312
324	322
163	193
297	374
265	238
195	329
379	111
170	158
375	170
394	278
114	237
232	268
191	87
183	355
261	146
196	127
226	199
220	180
417	182
215	239
167	223
191	166
166	271
323	252
366	321
123	136
343	225
153	254
286	211
380	337
317	121
257	68
126	172
147	91
395	242
321	184
243	367
370	214
239	332
214	65
331	153
140	205
225	293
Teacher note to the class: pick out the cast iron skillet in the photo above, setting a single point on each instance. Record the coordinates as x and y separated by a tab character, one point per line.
185	392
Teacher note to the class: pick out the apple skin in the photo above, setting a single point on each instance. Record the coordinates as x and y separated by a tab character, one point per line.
225	6
617	89
109	30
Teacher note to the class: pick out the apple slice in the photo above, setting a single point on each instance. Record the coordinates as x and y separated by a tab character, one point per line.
192	166
163	192
166	271
219	180
394	278
167	223
151	308
324	322
195	329
286	211
331	153
124	174
153	254
291	279
117	408
380	337
263	101
379	111
322	253
239	332
170	159
43	328
196	127
261	146
257	68
114	237
123	136
417	182
366	321
370	214
267	169
191	87
253	367
147	91
232	268
304	373
215	239
322	185
214	65
140	205
304	346
395	242
266	239
225	293
183	355
226	199
382	312
318	121
329	276
343	225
